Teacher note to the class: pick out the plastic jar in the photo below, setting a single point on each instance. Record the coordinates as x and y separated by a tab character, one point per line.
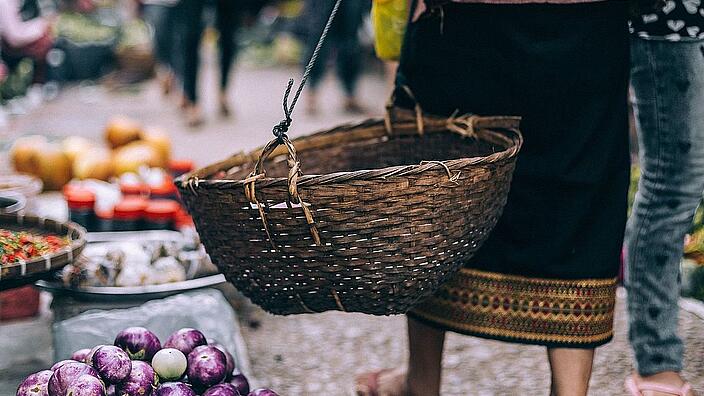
81	207
160	214
128	214
183	220
134	189
166	190
103	220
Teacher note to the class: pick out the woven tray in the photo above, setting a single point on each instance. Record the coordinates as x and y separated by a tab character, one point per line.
19	274
387	211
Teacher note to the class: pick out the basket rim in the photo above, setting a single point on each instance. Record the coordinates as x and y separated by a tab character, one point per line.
501	130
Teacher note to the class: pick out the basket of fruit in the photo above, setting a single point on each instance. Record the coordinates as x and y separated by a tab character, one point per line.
387	211
32	247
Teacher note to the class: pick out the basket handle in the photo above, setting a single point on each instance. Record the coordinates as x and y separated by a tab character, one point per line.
294	172
294	165
390	114
465	125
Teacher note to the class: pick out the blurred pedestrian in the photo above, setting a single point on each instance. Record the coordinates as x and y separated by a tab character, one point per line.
189	25
547	274
342	40
228	18
159	15
25	34
667	79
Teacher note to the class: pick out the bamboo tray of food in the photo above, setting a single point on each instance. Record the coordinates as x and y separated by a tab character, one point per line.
32	248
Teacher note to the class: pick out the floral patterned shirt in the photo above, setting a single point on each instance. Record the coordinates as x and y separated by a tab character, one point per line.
677	20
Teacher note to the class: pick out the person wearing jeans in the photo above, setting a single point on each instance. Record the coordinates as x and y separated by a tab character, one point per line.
667	78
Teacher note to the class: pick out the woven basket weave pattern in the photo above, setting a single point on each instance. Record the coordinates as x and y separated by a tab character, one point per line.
394	222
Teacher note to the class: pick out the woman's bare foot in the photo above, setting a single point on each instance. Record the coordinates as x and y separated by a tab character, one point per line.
352	106
194	117
669	378
183	102
312	104
224	106
386	382
167	83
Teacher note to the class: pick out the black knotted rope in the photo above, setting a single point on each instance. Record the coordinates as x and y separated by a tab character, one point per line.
281	129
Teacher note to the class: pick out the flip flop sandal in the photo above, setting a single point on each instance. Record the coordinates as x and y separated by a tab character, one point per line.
367	384
637	388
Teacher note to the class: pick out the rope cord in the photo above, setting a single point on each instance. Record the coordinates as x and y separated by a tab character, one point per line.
281	128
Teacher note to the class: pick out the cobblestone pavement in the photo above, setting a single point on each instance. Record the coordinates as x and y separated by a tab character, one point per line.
320	354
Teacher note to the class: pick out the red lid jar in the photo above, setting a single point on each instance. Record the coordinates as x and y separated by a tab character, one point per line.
81	205
160	213
127	214
103	220
167	190
134	189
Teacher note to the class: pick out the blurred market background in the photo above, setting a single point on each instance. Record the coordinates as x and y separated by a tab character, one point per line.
86	105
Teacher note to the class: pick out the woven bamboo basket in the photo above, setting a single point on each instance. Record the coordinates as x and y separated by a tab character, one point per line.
26	272
387	210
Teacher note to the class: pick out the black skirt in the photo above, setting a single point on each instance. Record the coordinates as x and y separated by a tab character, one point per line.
547	274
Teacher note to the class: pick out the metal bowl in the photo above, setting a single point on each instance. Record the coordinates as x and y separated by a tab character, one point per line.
113	293
123	293
12	203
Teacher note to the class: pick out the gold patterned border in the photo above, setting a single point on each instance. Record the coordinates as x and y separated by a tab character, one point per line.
531	310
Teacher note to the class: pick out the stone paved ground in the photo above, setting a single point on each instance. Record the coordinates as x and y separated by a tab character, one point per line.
320	354
310	354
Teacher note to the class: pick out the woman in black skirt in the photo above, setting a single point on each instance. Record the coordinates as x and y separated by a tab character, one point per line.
547	274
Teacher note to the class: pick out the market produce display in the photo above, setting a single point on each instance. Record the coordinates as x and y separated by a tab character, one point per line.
18	246
36	384
170	364
138	342
186	340
136	365
129	146
136	263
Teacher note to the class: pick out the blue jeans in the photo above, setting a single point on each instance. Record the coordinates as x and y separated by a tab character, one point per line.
667	79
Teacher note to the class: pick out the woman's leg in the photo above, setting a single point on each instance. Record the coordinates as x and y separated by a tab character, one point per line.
571	370
227	21
425	345
349	52
424	372
315	15
668	88
189	26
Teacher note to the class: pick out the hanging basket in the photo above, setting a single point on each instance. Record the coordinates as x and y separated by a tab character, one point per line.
385	212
